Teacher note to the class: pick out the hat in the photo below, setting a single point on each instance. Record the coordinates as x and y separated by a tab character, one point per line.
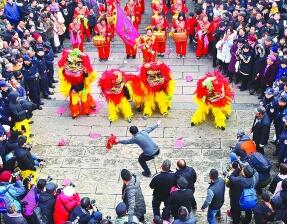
121	209
248	171
66	182
283	98
242	13
26	58
269	91
3	83
47	44
36	36
51	187
54	8
2	130
69	191
271	57
233	157
5	176
283	79
252	38
274	48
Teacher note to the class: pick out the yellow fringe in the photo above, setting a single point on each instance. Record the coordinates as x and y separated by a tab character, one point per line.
64	86
163	102
149	105
137	100
113	111
219	117
227	109
26	173
200	113
171	87
18	127
126	109
88	81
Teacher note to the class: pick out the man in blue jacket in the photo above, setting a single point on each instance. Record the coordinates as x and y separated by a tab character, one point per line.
144	141
12	12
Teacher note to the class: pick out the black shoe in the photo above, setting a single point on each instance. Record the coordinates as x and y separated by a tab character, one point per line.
31	135
128	56
41	103
55	81
40	108
51	93
52	86
222	128
134	57
47	97
31	122
192	124
146	174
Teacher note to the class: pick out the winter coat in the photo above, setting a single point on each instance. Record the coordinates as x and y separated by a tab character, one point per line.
275	181
64	206
223	49
30	200
17	111
12	13
268	76
14	219
279	203
281	72
13	192
188	220
46	203
262	213
246	144
24	159
261	130
133	198
189	174
245	63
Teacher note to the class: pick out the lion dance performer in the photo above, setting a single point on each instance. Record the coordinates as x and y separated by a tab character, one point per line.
76	75
158	86
116	86
213	93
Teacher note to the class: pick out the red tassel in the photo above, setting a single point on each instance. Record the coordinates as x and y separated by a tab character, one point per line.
111	140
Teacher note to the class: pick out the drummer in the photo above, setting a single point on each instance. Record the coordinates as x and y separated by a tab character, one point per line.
159	25
179	35
102	39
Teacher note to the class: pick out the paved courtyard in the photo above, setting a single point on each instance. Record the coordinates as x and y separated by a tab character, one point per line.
95	172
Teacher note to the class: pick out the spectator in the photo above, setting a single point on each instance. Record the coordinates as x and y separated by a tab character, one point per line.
181	197
184	217
144	141
122	216
281	147
215	196
161	185
245	66
13	216
132	196
12	13
260	129
244	143
279	202
263	211
279	177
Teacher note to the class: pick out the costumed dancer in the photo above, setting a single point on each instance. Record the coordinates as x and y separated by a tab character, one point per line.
160	25
202	36
158	7
102	39
213	93
146	42
179	35
132	14
81	13
76	31
158	85
116	87
76	75
111	16
176	8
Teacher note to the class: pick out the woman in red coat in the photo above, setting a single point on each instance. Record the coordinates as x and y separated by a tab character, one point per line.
65	203
179	35
103	32
202	36
159	25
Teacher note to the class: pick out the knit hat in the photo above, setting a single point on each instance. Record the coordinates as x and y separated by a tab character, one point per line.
66	182
252	38
69	191
36	36
121	209
51	187
269	91
5	176
3	83
26	58
271	57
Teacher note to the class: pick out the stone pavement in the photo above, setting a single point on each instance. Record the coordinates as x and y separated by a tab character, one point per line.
95	172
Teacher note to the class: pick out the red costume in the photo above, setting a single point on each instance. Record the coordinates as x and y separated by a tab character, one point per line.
81	13
147	43
159	7
176	8
202	37
76	31
102	39
191	24
160	25
111	15
179	36
132	13
212	28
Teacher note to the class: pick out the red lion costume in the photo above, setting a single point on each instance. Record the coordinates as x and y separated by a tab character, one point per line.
76	75
158	87
116	86
213	93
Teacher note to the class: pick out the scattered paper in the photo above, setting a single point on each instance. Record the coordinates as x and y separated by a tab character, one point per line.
168	52
189	78
95	135
99	106
61	110
179	143
63	142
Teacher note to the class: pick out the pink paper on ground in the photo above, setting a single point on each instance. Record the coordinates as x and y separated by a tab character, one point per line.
63	142
95	135
99	106
179	143
188	78
61	110
168	52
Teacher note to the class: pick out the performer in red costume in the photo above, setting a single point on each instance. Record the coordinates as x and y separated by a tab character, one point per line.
179	35
81	13
111	16
191	24
132	14
102	39
76	75
177	7
160	25
76	31
202	36
159	7
146	42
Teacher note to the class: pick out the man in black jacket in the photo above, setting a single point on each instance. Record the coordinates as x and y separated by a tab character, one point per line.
161	185
23	156
188	173
260	129
182	197
47	201
215	196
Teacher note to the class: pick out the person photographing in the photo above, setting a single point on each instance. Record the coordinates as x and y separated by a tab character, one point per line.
145	142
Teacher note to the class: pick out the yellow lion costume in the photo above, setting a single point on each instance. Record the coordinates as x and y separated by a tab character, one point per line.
213	93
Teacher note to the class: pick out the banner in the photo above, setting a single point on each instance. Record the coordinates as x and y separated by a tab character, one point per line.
124	28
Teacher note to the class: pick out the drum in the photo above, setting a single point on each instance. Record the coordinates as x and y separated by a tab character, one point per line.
159	36
99	41
178	37
110	19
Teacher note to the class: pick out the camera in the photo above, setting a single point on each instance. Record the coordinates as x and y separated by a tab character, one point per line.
16	174
49	179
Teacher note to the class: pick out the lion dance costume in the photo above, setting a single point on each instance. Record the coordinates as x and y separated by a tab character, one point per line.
76	75
116	86
158	86
213	93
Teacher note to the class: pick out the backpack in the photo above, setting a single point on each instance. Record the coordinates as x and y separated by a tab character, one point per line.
248	198
259	163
